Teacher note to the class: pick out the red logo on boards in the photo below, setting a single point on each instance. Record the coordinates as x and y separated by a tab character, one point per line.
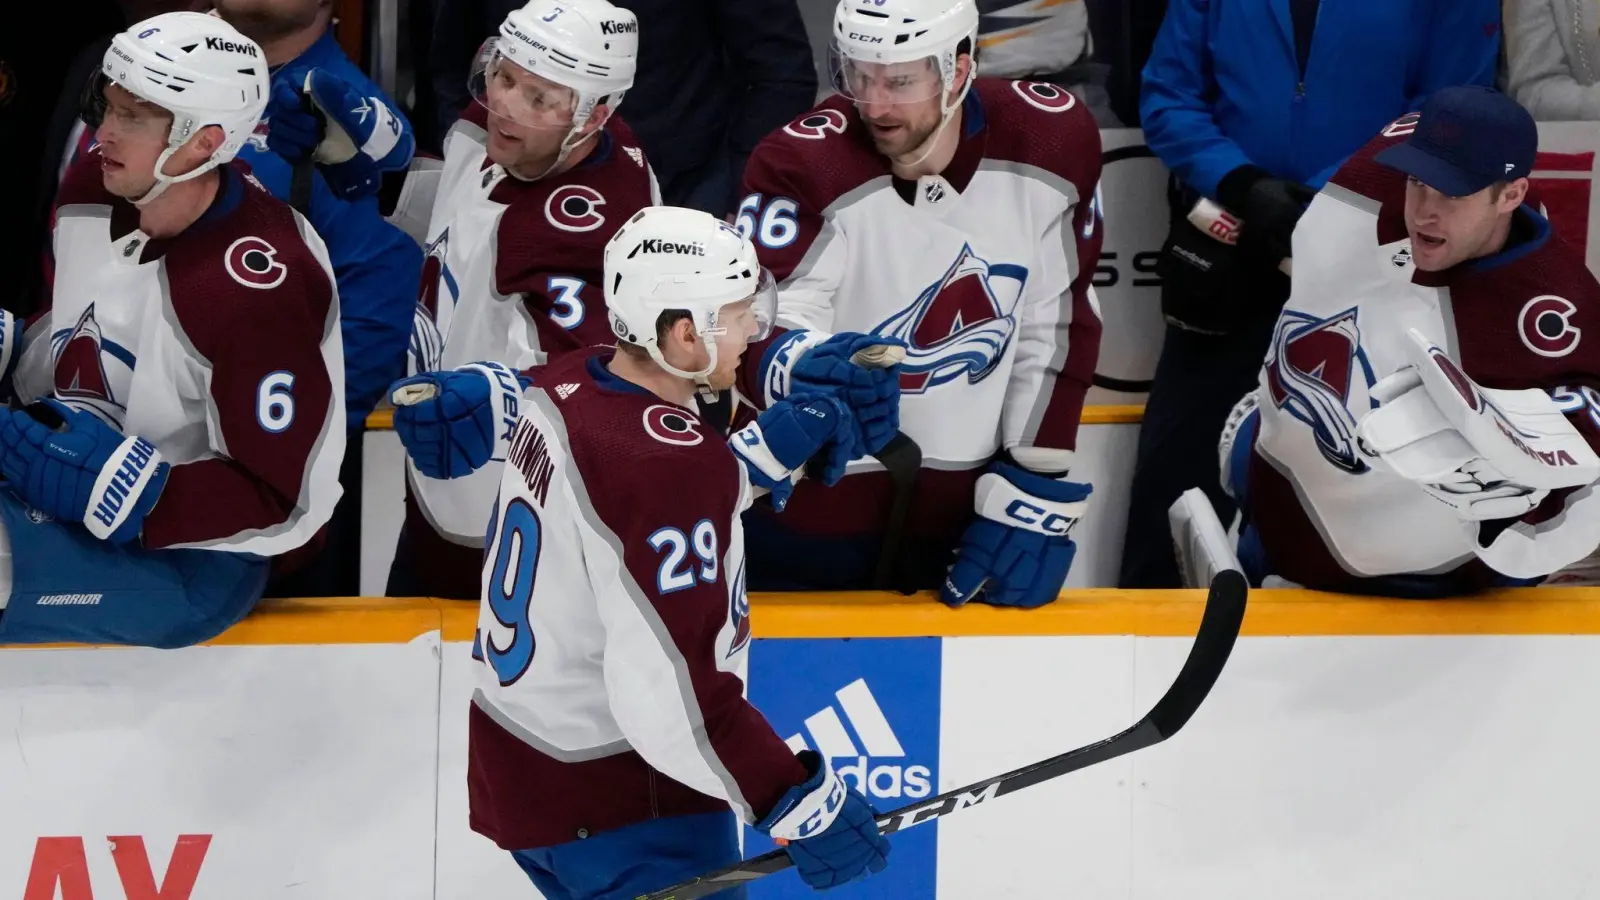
61	868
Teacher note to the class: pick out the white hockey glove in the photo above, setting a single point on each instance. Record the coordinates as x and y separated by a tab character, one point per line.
1487	454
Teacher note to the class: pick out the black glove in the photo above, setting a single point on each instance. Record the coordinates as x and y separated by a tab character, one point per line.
1269	207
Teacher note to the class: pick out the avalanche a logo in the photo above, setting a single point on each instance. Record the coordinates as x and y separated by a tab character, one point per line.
1313	366
739	613
89	369
961	325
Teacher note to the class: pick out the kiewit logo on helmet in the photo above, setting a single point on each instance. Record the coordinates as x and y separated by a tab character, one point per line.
657	245
862	711
619	27
220	44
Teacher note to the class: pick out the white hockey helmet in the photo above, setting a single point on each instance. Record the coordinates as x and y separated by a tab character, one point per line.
195	66
875	41
587	46
666	259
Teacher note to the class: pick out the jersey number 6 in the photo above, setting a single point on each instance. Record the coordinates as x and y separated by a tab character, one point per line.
674	575
510	590
774	228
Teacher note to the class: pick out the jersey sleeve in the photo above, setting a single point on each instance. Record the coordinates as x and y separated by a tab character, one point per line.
668	572
795	237
275	418
1058	335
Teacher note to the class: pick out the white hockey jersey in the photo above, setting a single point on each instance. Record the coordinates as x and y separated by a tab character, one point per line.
1326	515
221	346
614	630
513	275
984	271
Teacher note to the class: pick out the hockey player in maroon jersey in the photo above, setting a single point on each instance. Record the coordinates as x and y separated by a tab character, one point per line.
184	418
957	214
1426	412
538	175
609	733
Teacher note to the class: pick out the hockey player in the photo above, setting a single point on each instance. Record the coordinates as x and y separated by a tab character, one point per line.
1424	418
958	215
538	174
185	421
609	732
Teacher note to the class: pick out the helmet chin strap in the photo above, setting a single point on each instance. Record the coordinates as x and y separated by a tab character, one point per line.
946	113
568	144
702	378
165	181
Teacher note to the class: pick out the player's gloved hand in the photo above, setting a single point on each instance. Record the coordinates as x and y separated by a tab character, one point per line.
1270	207
802	362
363	137
453	423
829	831
68	464
1017	552
777	444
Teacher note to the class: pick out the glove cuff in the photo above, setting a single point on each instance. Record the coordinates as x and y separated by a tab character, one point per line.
1021	499
118	498
777	364
1233	191
807	809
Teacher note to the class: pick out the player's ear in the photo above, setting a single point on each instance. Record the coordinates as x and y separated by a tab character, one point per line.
1511	195
208	139
597	119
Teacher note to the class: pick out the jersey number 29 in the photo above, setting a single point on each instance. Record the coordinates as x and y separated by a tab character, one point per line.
510	590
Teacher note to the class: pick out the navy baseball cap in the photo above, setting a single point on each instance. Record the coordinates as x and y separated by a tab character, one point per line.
1467	139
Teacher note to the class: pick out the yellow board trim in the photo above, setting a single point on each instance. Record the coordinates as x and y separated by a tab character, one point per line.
383	419
1272	613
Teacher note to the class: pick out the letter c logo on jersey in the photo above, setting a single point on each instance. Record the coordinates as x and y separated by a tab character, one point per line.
818	125
1545	326
254	263
575	208
671	425
1048	97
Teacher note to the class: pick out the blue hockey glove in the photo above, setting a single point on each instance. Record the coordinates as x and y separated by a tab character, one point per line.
1017	552
809	362
828	830
453	423
364	137
68	464
790	432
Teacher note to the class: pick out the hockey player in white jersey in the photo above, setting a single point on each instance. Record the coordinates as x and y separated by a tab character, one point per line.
184	417
1428	407
957	214
609	732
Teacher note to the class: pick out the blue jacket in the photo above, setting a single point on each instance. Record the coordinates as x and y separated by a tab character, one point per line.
1223	86
376	265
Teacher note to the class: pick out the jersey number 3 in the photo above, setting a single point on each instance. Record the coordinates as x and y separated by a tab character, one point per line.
510	590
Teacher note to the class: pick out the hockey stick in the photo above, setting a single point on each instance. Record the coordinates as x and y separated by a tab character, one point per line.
1219	627
902	459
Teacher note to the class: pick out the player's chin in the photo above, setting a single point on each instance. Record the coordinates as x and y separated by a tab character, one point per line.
1431	253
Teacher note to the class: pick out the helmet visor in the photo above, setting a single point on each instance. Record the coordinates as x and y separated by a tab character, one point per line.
104	99
750	318
879	82
512	93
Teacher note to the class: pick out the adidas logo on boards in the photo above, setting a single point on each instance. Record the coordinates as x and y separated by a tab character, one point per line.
866	717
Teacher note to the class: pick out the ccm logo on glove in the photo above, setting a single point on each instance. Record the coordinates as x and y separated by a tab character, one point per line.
116	484
818	821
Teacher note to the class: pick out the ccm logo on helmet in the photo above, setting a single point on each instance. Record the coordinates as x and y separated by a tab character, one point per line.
657	245
619	27
1545	326
254	263
866	38
575	208
220	44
